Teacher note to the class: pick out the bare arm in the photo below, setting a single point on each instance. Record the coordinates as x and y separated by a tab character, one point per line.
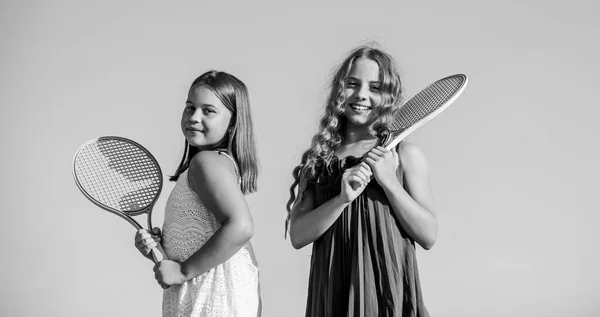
213	178
413	206
307	223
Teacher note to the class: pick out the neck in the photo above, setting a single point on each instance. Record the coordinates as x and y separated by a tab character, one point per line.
354	133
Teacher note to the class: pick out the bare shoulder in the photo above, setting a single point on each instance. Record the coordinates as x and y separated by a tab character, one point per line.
412	157
211	164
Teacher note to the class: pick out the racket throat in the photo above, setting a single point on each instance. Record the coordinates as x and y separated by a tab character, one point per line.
392	139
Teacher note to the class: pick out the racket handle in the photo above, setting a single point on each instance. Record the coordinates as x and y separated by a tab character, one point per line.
158	254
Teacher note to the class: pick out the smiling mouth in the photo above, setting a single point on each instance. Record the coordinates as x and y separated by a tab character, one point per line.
195	130
357	107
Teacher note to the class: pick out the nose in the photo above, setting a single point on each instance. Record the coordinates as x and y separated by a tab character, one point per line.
195	117
362	93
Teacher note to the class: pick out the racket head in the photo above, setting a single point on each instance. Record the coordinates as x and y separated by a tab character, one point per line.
118	175
424	106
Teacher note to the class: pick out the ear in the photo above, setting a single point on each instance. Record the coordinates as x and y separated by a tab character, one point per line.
231	127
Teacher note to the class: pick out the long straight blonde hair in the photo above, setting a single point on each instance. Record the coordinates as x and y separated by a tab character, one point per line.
240	143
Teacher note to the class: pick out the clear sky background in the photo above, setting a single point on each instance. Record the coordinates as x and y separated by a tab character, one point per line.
514	161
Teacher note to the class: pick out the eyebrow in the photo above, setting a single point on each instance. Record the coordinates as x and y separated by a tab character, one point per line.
356	79
202	105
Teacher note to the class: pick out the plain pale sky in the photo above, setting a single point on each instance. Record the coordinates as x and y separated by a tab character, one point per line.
514	161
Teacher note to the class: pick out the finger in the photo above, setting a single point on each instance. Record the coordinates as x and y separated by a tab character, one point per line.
378	151
370	161
389	153
374	156
141	232
143	237
138	235
140	243
347	176
145	250
364	175
360	178
365	169
365	165
156	230
148	249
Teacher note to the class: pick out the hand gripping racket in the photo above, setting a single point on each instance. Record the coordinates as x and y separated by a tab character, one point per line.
424	106
120	176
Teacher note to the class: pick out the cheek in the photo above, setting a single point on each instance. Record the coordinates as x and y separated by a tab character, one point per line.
218	126
182	122
376	99
348	93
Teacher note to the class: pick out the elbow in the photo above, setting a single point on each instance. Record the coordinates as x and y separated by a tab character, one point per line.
247	231
428	242
427	245
294	238
244	231
429	236
296	241
298	245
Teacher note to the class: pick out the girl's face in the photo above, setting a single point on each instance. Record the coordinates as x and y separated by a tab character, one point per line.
205	119
362	92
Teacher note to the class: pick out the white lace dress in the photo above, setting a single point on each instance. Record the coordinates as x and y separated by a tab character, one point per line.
231	289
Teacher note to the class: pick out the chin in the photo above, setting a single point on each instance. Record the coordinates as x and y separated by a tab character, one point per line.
196	143
359	121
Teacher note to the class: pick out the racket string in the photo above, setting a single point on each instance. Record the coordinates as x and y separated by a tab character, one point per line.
426	102
118	174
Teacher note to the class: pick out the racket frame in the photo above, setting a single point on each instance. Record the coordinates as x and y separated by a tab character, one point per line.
126	215
394	137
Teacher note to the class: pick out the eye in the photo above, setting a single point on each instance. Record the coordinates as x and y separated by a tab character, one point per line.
189	107
207	111
351	84
375	88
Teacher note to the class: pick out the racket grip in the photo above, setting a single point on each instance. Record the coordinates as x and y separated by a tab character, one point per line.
158	254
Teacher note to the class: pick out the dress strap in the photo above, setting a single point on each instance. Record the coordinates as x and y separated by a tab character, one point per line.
235	165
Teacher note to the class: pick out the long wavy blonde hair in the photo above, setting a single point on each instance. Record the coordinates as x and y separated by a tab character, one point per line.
332	124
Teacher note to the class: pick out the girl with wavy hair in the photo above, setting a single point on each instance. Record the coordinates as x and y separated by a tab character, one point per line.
361	206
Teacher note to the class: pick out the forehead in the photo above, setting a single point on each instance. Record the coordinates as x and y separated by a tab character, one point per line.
201	94
365	69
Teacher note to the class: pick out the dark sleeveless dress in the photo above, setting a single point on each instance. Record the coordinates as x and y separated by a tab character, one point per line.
364	265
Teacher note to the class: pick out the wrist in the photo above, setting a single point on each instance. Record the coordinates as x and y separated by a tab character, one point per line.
187	272
388	181
341	202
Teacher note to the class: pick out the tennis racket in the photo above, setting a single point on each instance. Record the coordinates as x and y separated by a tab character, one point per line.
424	106
120	176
